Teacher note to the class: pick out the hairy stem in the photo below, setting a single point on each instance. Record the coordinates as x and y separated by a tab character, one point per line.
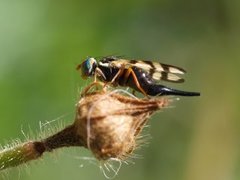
32	150
20	154
65	138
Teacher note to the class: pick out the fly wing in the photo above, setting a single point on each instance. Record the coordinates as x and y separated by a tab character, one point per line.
158	71
170	77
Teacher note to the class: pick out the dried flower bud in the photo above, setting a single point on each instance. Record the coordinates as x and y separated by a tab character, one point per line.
109	122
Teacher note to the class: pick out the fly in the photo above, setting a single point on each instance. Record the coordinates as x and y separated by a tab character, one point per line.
142	76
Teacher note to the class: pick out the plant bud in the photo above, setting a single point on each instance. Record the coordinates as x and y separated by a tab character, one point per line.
108	123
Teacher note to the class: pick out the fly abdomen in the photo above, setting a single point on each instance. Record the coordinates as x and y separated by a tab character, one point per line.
160	90
151	88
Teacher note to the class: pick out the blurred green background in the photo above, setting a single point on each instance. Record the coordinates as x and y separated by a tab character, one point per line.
41	42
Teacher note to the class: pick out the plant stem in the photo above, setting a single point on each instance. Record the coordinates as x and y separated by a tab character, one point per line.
20	154
32	150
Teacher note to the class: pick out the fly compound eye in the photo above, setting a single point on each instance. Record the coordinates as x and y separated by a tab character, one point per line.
88	67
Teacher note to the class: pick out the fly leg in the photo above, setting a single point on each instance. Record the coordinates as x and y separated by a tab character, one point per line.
119	73
89	87
94	83
135	79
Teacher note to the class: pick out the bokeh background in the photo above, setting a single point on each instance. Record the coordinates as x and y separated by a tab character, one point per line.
41	42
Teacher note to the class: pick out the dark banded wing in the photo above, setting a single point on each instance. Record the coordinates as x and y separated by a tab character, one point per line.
158	71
